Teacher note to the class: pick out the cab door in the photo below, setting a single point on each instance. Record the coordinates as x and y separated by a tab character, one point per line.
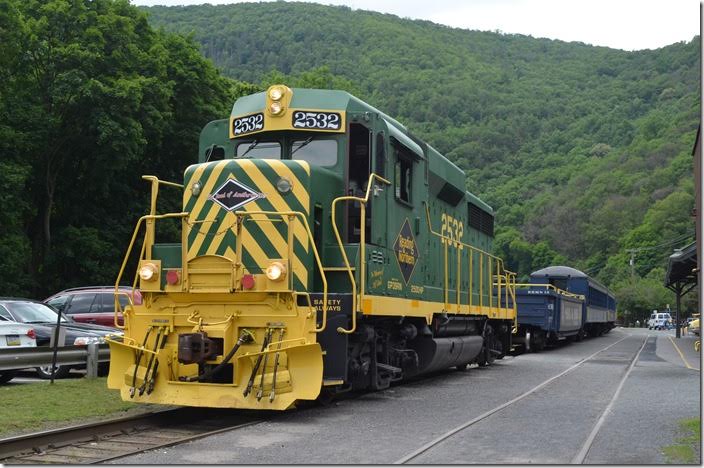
377	250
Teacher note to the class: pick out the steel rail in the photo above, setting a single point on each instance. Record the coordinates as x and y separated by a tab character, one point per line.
485	415
120	437
14	445
582	454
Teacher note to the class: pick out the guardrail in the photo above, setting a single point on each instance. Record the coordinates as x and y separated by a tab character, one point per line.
90	355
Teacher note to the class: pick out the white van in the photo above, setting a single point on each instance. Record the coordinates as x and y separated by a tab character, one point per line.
659	321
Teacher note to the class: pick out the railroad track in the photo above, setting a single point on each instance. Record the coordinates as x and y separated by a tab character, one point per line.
584	449
116	438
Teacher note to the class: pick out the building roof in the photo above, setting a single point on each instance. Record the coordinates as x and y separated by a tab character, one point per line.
682	266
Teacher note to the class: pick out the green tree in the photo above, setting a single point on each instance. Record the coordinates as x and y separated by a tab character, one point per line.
92	98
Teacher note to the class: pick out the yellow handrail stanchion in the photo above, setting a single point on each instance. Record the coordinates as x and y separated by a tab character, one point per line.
459	279
362	252
319	264
501	273
471	279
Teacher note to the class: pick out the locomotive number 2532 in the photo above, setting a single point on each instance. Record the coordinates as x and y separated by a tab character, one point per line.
248	124
318	120
452	228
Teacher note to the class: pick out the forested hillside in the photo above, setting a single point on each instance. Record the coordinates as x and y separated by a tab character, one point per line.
91	98
583	151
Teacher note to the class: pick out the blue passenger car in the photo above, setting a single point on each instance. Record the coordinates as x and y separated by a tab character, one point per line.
546	315
599	306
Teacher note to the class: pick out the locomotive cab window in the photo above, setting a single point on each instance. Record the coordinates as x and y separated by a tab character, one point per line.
315	152
358	170
256	149
403	173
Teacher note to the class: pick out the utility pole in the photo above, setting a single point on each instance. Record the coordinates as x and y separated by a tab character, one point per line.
632	262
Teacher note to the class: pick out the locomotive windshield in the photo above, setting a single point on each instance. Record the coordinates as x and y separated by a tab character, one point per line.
256	149
315	151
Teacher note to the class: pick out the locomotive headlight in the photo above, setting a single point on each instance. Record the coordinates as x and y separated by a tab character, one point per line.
276	271
196	188
275	94
275	108
148	272
283	185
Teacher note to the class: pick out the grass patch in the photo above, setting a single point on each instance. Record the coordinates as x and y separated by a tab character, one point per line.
686	448
42	406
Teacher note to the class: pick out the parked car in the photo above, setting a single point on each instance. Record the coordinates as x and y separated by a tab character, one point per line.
43	318
694	327
659	321
15	335
93	304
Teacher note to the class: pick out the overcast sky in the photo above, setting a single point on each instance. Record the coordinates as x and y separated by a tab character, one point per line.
621	24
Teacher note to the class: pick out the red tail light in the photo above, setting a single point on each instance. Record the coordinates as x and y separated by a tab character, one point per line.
31	334
247	281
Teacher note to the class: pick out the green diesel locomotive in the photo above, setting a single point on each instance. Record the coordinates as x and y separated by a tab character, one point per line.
323	248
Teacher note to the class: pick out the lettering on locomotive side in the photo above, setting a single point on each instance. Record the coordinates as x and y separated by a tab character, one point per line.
452	228
334	305
406	251
376	278
394	285
337	303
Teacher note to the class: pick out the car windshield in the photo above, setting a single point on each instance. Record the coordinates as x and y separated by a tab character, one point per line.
32	312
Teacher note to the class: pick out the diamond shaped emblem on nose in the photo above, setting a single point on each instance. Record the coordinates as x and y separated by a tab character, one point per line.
234	194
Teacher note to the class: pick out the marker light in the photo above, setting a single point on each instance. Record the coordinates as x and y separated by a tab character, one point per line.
32	334
275	108
148	272
276	271
283	185
173	277
275	93
247	281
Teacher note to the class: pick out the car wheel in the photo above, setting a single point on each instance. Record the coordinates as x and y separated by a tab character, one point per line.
6	376
60	372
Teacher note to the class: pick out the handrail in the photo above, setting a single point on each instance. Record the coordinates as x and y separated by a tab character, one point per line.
295	214
362	252
149	236
149	217
149	240
509	275
551	286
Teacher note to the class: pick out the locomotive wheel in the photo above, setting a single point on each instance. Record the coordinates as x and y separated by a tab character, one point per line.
486	357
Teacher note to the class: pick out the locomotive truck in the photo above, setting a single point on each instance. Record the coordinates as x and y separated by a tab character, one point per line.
323	248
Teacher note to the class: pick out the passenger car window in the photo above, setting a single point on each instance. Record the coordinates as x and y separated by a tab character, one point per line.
80	304
316	152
